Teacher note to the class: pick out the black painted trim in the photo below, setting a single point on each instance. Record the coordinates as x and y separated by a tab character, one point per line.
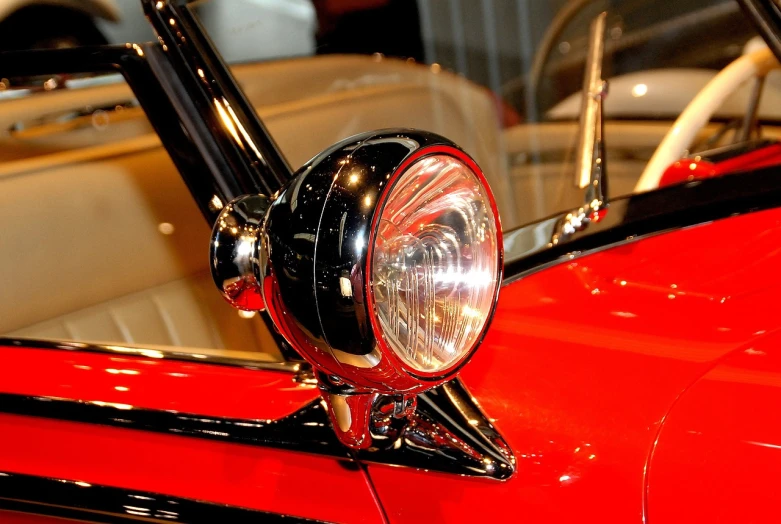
94	503
766	17
448	432
528	248
258	164
306	430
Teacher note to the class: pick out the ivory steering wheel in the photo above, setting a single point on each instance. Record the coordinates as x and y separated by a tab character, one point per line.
700	110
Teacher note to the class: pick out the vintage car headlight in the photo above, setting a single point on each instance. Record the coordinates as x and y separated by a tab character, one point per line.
434	262
380	263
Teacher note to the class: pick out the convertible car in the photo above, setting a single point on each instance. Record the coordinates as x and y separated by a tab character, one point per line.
546	303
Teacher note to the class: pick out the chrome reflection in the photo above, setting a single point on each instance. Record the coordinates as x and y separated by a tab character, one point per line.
445	432
235	255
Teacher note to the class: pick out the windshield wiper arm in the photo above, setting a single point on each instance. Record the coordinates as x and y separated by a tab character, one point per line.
590	163
594	90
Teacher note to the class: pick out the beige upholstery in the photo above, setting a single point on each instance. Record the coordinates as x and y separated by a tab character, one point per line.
86	258
184	313
101	240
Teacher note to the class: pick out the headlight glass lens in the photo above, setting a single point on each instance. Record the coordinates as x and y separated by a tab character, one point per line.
435	263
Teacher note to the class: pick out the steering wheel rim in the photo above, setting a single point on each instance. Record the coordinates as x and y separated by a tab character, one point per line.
699	112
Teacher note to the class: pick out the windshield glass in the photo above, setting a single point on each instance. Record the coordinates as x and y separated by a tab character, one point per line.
503	79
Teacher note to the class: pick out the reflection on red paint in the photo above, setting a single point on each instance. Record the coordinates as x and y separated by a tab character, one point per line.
598	215
697	168
580	367
247	476
724	433
16	517
155	383
584	360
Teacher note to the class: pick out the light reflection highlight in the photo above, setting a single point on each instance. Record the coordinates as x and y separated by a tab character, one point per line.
435	263
639	90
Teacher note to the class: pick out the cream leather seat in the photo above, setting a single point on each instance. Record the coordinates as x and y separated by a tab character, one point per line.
101	240
108	251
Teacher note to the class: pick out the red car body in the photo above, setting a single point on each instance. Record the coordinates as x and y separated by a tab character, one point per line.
634	376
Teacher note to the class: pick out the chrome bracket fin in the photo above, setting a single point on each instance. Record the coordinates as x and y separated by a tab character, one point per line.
447	433
442	429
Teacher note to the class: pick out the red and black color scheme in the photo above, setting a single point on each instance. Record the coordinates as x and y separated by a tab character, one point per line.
631	371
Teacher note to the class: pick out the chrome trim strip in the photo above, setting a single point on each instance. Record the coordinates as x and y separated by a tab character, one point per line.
85	502
34	343
529	248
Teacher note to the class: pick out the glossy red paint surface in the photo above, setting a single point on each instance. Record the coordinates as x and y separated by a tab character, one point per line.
585	359
153	383
15	517
695	168
719	451
248	476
